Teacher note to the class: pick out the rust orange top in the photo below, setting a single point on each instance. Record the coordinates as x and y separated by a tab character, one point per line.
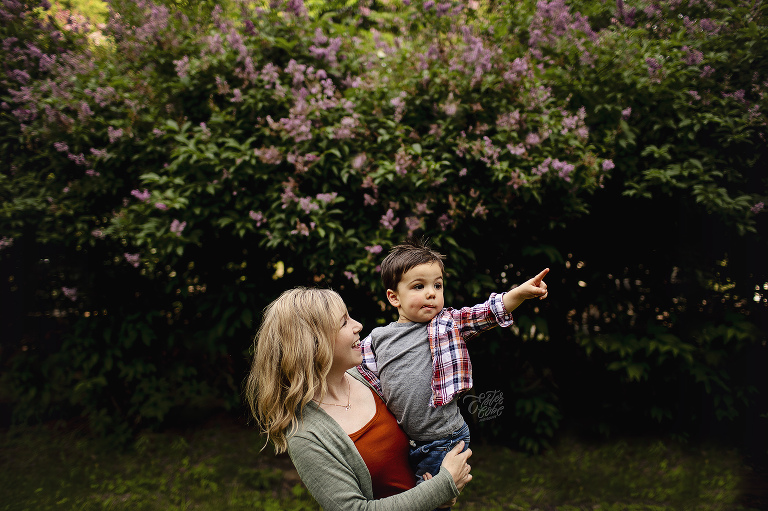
384	448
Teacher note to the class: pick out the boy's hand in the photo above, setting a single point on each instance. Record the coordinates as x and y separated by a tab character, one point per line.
534	288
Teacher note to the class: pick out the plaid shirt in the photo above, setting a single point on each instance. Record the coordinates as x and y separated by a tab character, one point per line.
447	333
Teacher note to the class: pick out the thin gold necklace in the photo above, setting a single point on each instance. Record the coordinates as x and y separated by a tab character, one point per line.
349	392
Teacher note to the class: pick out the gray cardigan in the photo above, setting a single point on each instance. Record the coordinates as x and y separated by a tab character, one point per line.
335	474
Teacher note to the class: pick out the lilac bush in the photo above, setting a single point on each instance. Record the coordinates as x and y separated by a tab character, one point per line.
204	162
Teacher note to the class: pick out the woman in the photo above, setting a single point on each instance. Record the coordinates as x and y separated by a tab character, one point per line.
307	396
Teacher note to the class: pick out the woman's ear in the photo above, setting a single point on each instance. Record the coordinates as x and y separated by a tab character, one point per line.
394	300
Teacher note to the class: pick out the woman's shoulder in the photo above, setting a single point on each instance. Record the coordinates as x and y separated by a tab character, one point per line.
316	432
313	424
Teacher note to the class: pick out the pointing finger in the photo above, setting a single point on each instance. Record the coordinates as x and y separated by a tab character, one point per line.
538	278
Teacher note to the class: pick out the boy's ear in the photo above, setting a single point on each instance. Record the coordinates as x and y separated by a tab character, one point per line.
394	300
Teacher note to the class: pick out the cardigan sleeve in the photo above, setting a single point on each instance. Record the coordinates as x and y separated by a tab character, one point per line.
336	486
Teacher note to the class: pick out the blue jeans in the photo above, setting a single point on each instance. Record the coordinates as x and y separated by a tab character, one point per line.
427	456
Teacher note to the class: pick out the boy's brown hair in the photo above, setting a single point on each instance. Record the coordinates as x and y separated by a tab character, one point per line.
412	252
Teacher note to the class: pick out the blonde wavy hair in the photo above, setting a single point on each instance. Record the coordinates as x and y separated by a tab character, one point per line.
293	352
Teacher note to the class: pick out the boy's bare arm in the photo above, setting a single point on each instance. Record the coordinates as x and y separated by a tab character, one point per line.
534	288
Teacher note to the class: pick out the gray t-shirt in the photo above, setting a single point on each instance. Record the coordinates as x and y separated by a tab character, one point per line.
405	369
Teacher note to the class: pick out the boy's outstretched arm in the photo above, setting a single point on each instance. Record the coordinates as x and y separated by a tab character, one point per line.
534	288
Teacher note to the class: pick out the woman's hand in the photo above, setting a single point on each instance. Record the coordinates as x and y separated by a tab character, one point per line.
427	476
456	463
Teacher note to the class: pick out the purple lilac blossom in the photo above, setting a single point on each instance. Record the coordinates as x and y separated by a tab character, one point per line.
114	134
707	71
24	114
569	123
653	64
104	95
399	103
215	44
450	107
47	62
444	221
326	197
358	161
375	249
738	95
70	292
490	152
608	165
142	196
626	113
85	112
288	197
306	204
388	220
563	169
345	130
296	125
270	73
692	56
222	87
61	147
79	159
757	207
509	120
301	228
412	223
329	52
132	259
270	155
177	227
182	66
20	76
295	7
99	153
480	211
542	168
161	206
250	29
532	139
257	216
552	21
707	25
5	242
301	163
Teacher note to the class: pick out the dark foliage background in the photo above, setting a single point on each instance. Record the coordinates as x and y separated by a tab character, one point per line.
168	173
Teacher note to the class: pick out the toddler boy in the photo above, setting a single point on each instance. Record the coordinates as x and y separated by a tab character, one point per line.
420	363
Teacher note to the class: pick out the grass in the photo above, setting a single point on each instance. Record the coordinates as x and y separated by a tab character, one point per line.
220	466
